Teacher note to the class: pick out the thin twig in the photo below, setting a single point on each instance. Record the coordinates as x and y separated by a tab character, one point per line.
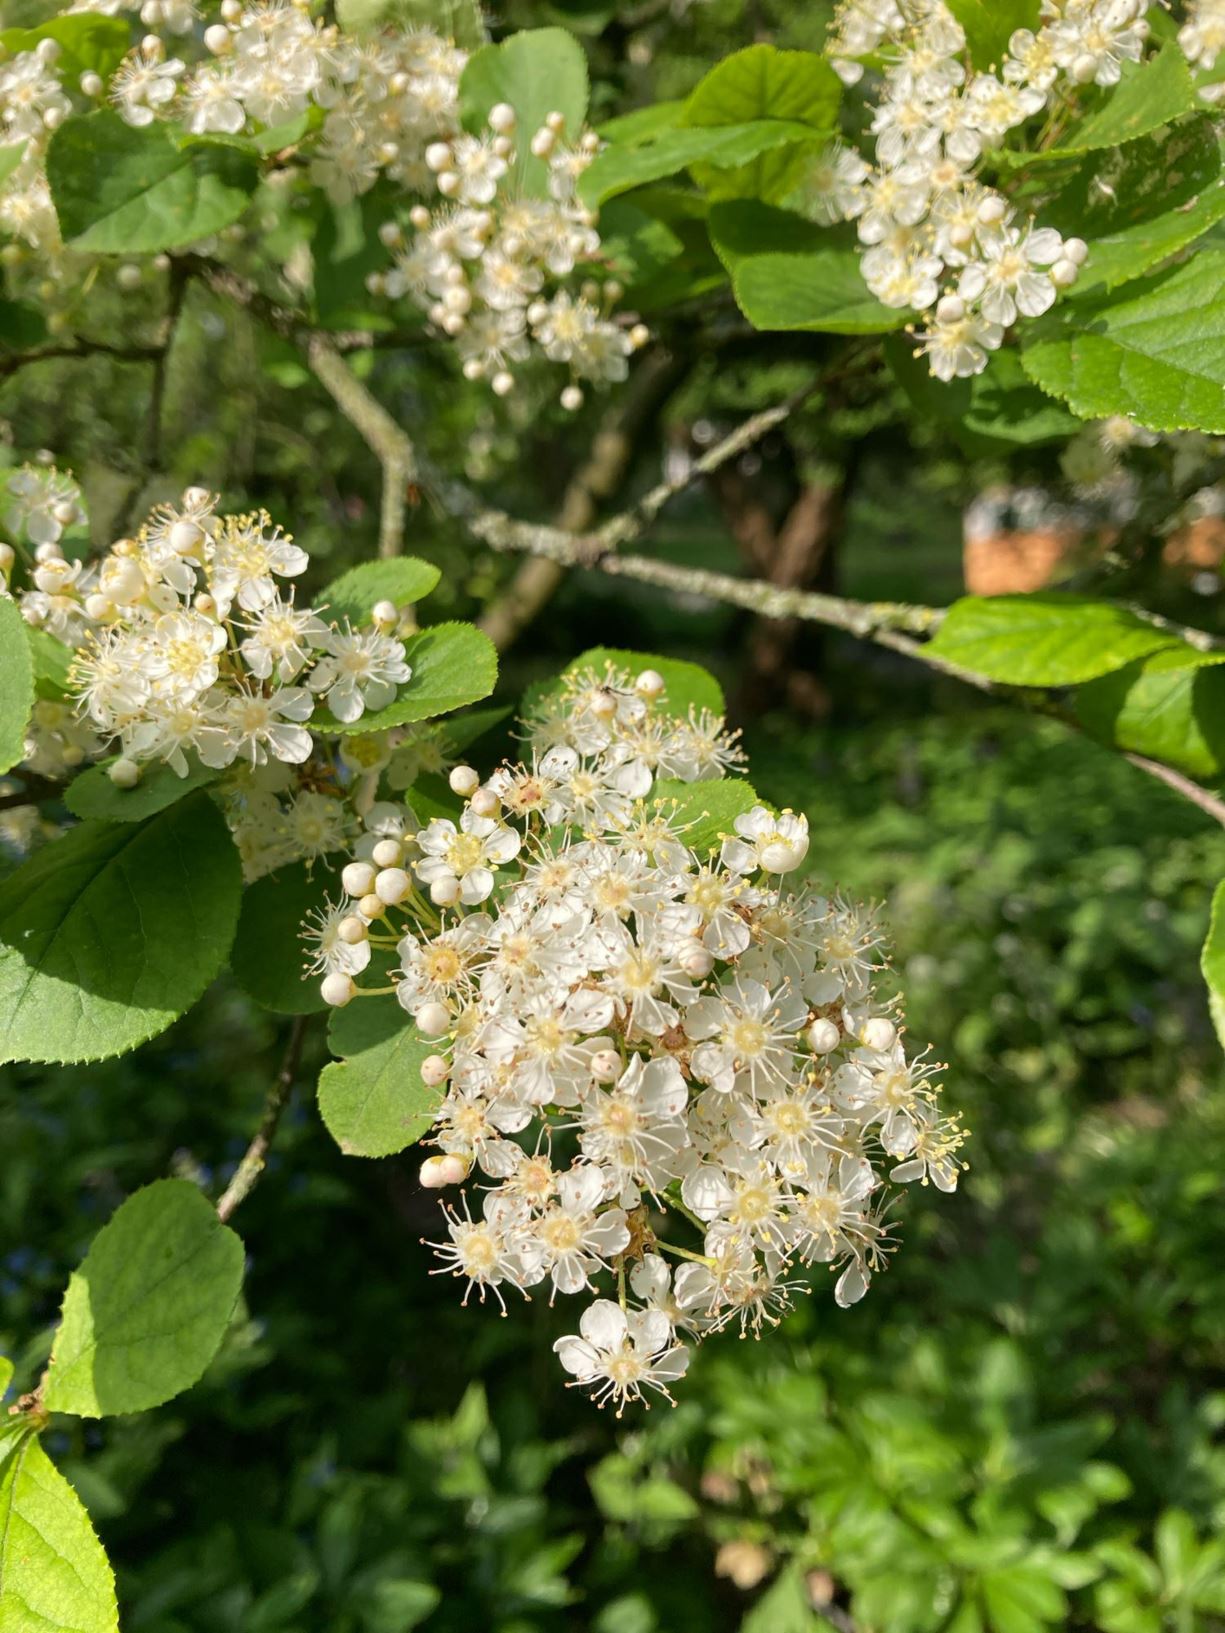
1207	801
247	1174
78	349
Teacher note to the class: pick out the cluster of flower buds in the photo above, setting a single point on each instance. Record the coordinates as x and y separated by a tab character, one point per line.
487	263
669	1072
934	237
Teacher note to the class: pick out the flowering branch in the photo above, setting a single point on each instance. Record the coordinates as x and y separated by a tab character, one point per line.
247	1174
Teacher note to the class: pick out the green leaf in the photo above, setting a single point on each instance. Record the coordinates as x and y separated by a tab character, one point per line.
52	662
998	408
458	20
16	686
687	685
6	1373
762	82
94	797
345	250
1149	95
618	169
111	932
374	1102
1154	350
452	664
1169	706
1142	203
365	1022
643	123
708	809
21	325
10	158
147	1310
1047	639
88	43
54	1576
538	71
742	228
1212	962
822	290
1021	1599
267	955
402	581
990	24
123	191
784	1607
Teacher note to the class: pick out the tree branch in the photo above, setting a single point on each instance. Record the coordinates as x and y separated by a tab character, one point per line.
80	348
247	1174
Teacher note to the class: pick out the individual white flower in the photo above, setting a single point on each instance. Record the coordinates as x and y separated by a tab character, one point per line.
750	1035
249	555
1005	280
39	503
1202	36
619	1354
362	671
247	725
281	639
570	1240
467	856
144	85
329	953
776	844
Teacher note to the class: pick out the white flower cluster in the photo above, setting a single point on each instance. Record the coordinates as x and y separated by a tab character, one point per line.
935	238
187	643
32	105
486	261
636	1041
1202	38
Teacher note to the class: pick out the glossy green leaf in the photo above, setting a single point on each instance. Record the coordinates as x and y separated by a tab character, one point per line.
452	665
6	1373
1021	1599
1143	202
1154	350
16	685
54	1576
374	1102
642	123
1212	962
94	797
1048	639
687	685
538	71
52	662
1169	706
821	290
707	810
764	83
402	581
784	1607
268	954
619	169
148	1308
112	931
88	42
119	190
458	20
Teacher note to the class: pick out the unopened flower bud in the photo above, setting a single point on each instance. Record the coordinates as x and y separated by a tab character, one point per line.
878	1033
358	879
502	118
194	498
204	603
48	552
337	989
697	962
371	906
385	615
444	891
606	1065
650	685
485	802
438	156
571	399
217	39
124	773
419	215
556	122
1075	250
435	1069
604	704
992	210
387	853
7	558
98	607
639	335
464	780
449	183
392	885
353	930
430	1174
503	146
433	1019
823	1036
502	383
543	143
1064	274
48	51
184	537
128	276
390	234
950	309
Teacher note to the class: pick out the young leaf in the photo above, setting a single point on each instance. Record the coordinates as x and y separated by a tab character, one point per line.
1170	706
822	290
16	685
402	581
119	190
687	685
52	662
990	24
538	71
619	169
267	955
998	408
110	933
374	1102
94	797
452	664
1048	639
54	1576
145	1313
762	82
1212	962
1155	350
1149	95
707	810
